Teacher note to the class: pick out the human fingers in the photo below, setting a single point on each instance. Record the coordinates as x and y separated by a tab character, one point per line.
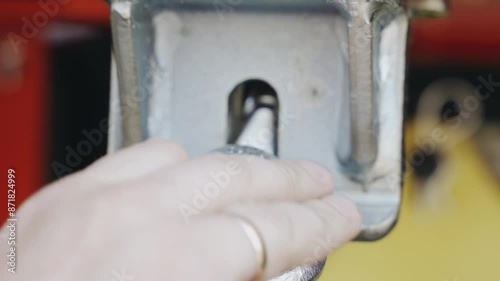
217	180
292	233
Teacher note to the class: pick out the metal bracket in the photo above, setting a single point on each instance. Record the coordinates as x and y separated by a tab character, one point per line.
338	68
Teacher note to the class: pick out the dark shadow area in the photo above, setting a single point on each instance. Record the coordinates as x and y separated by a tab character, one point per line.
80	89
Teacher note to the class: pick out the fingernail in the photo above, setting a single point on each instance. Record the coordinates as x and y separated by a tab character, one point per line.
350	211
345	206
319	173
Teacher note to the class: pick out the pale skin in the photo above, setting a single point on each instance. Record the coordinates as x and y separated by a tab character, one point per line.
121	217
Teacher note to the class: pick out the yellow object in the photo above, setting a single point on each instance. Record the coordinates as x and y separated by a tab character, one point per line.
457	241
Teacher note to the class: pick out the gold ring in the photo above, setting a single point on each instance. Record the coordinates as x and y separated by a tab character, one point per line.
257	243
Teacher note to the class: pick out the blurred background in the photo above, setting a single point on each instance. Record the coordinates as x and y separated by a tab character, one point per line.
54	91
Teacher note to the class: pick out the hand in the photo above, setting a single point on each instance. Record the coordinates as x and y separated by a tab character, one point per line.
150	212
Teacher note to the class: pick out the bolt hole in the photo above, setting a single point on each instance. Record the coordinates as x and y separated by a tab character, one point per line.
244	100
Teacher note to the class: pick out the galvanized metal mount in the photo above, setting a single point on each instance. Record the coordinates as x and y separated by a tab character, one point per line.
337	68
